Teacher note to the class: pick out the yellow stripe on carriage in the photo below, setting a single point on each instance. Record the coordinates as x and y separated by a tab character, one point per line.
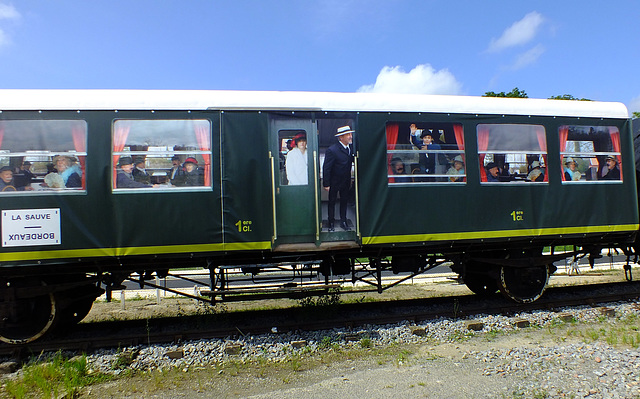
474	235
129	251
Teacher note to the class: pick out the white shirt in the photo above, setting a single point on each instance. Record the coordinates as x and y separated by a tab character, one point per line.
296	166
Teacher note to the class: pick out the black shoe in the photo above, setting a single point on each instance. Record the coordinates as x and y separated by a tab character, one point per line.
344	226
331	228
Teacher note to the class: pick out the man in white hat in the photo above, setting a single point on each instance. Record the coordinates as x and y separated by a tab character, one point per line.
536	173
336	175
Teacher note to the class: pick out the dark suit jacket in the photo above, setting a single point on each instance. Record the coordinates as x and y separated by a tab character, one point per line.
336	170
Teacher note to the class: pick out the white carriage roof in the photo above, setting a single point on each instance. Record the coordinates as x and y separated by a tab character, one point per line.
311	101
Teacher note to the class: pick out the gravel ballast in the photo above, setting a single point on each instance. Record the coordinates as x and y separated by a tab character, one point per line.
452	359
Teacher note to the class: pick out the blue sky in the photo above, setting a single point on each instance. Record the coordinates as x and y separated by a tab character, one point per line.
546	48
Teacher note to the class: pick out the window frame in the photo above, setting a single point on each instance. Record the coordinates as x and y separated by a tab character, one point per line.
80	156
164	154
541	151
425	178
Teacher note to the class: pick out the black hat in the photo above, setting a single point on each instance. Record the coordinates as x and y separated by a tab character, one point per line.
491	165
5	168
426	132
175	158
611	157
124	161
26	163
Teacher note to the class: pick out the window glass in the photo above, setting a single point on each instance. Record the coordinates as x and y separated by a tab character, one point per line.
38	156
590	153
294	170
425	153
162	155
512	153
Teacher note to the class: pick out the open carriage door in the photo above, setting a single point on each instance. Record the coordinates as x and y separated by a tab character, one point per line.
293	150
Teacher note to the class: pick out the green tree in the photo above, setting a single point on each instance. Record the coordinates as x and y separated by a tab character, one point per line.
515	93
636	114
568	97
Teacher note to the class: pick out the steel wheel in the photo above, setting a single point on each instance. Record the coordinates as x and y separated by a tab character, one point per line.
27	319
523	284
481	284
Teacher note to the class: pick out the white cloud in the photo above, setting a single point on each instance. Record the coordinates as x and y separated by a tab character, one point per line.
528	57
423	79
8	12
519	33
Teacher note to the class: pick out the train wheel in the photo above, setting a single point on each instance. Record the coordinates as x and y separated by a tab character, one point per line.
76	311
523	284
76	304
27	319
481	284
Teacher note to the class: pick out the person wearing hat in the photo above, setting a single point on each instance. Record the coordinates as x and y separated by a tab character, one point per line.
571	172
427	161
398	171
139	172
69	170
25	170
613	172
493	172
457	170
193	175
176	173
536	173
6	179
336	175
296	163
124	178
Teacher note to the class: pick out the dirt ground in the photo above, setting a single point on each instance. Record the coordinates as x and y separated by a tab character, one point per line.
418	371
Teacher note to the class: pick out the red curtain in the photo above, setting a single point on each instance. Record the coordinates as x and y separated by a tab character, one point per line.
564	133
542	142
120	133
615	141
202	136
78	133
457	130
483	144
459	133
392	139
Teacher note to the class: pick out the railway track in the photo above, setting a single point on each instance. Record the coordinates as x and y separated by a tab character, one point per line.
112	334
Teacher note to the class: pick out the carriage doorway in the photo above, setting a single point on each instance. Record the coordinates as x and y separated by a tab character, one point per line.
300	202
294	152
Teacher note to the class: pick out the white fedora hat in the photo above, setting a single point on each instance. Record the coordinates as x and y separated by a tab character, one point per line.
344	130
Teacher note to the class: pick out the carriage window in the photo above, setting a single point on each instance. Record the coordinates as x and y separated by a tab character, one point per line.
590	153
512	153
161	155
42	156
425	153
293	157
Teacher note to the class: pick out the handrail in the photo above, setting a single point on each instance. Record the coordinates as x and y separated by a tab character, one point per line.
273	198
315	175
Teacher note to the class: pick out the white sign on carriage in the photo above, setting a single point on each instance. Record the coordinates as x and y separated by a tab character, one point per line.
30	227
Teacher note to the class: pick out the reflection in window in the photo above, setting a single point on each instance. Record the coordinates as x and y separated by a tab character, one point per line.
161	154
512	153
294	158
590	153
425	153
43	156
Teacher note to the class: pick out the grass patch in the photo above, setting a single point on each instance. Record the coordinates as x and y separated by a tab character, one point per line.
56	377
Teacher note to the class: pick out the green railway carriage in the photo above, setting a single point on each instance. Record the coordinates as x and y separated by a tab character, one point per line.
78	220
